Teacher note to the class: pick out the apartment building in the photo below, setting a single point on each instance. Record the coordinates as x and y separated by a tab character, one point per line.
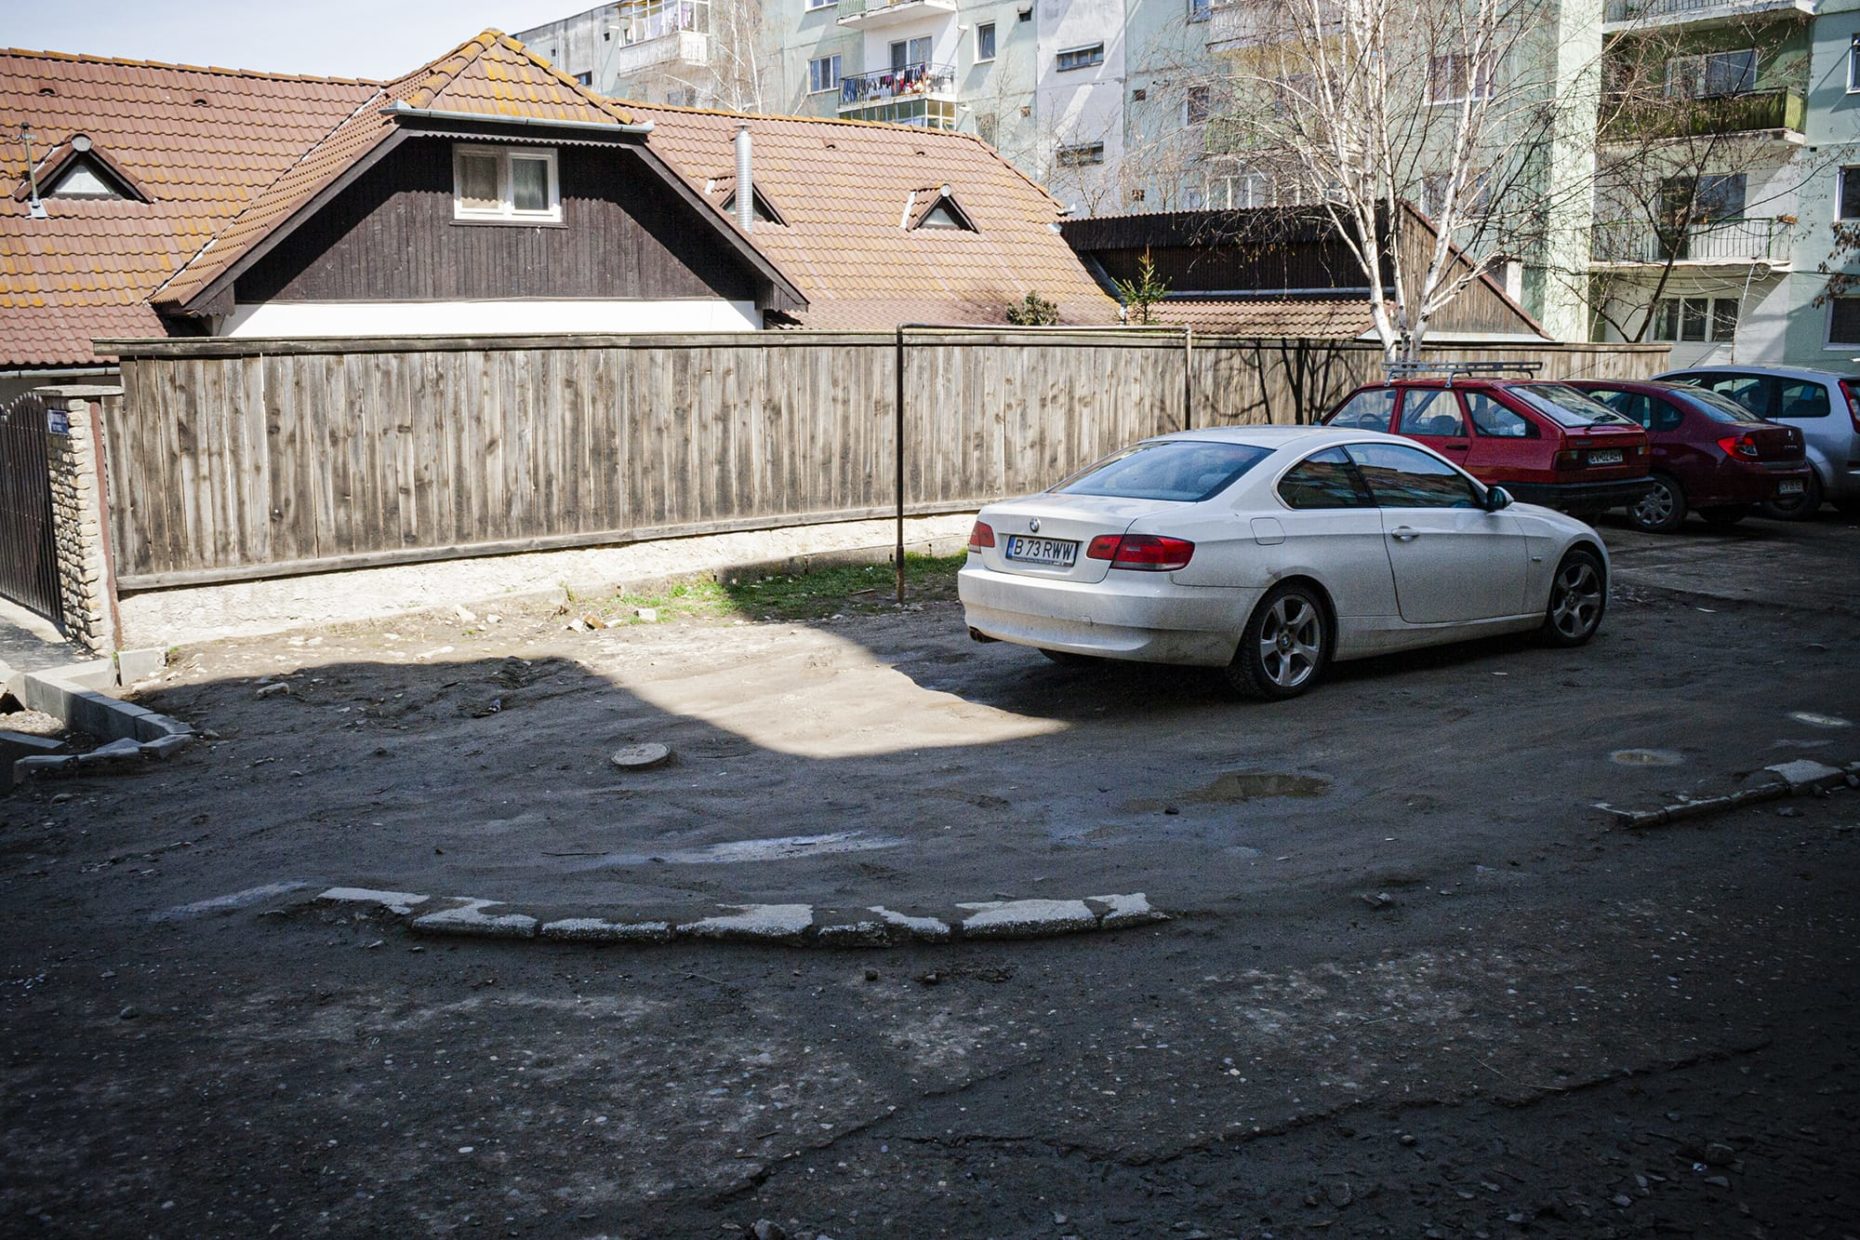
1076	93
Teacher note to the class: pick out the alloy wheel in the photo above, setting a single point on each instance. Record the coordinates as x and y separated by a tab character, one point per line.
1655	508
1291	641
1577	607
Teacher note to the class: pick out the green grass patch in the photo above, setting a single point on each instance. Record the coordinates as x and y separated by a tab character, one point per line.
844	590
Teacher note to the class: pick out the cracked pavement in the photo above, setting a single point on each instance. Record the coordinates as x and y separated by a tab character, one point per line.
1419	986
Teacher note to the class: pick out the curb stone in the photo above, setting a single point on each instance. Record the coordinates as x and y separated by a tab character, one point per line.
788	925
1801	777
74	694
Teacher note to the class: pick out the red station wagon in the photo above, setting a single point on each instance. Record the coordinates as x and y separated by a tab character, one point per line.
1710	454
1543	441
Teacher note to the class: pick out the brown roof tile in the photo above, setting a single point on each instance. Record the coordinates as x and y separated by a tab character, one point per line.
87	270
1343	318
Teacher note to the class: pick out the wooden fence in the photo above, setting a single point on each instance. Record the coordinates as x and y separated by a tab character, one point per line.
240	459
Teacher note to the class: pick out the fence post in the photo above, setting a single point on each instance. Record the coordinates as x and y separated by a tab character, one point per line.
74	461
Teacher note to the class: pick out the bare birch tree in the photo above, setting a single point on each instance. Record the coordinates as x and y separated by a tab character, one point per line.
1359	106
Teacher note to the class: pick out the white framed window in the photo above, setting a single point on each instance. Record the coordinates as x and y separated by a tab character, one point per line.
514	185
823	74
1853	65
1200	10
1081	57
1455	78
1712	74
984	42
1849	197
820	4
1695	320
584	78
1083	155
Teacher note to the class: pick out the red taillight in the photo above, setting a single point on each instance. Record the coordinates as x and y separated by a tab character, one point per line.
1739	445
1568	458
1853	403
983	535
1150	553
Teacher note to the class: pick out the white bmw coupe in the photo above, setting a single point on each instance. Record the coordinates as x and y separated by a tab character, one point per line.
1270	551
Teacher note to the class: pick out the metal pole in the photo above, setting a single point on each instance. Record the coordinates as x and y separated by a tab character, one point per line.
898	454
1188	378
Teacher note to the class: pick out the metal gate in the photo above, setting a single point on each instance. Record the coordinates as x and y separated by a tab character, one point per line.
28	550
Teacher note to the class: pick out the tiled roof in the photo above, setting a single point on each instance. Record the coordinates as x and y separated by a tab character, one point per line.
491	75
200	142
1343	318
844	188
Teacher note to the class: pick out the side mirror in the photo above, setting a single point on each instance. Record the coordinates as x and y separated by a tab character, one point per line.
1497	498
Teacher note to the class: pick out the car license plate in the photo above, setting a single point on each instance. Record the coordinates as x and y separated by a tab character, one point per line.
1605	456
1052	551
1790	487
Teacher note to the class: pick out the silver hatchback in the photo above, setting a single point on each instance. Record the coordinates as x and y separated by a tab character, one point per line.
1824	404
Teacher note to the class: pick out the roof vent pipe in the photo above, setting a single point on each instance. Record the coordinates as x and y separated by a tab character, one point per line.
745	187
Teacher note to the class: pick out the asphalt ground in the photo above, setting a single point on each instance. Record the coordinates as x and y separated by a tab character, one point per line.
1415	979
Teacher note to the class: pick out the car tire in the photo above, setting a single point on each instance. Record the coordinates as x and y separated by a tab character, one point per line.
1662	509
1724	516
1285	647
1802	507
1066	658
1578	599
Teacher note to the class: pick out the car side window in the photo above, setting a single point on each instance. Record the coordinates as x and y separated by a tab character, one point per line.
1368	410
1403	477
1802	398
1324	480
1634	405
1431	411
1493	419
1750	391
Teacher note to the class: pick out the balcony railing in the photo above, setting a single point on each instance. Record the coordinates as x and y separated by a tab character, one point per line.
882	12
1678	117
884	86
680	47
1665	12
1727	242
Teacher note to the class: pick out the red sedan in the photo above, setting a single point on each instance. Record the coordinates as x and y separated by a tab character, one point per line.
1710	454
1544	442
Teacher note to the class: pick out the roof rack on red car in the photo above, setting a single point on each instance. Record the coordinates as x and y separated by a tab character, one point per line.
1451	370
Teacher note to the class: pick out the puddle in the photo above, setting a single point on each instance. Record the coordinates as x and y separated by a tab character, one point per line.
1237	786
1645	757
1820	721
782	848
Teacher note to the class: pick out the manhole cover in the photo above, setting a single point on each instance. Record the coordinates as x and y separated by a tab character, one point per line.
642	757
1645	757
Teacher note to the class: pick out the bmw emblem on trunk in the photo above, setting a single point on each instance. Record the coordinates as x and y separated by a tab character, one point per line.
1033	525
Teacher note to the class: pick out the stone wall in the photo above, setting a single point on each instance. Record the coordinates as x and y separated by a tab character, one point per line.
84	576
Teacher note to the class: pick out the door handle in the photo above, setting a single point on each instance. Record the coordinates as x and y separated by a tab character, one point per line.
1403	533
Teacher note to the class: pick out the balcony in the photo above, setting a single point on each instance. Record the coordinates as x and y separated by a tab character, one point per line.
878	14
679	48
1779	113
916	94
661	32
1620	15
1236	24
1723	243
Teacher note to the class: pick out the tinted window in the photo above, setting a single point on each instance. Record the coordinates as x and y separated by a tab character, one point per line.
1434	412
1718	408
1751	391
1366	411
1566	406
1180	469
1402	477
1491	418
1631	405
1323	480
1801	398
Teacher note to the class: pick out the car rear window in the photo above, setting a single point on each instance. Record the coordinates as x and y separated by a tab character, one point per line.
1188	470
1717	408
1567	407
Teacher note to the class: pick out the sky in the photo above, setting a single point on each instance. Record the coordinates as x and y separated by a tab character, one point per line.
339	38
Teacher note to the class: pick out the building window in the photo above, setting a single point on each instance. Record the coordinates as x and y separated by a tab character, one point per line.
820	4
823	74
1454	78
1026	14
1712	74
1850	194
1081	57
985	41
1695	320
1708	199
1200	10
1197	106
1082	155
908	52
1844	321
511	184
1853	65
585	78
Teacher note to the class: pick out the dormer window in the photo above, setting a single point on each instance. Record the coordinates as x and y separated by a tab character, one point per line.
763	210
937	208
505	185
84	178
76	170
